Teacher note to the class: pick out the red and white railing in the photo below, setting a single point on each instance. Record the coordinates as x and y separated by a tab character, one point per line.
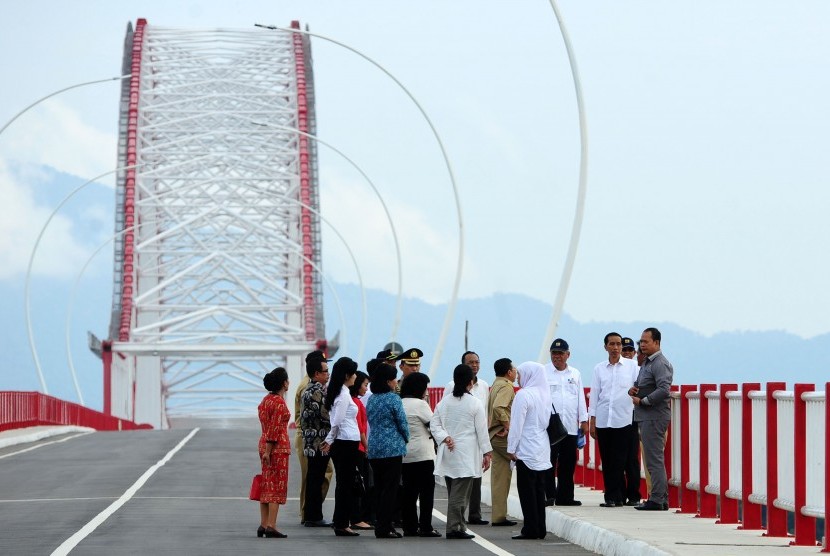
30	409
735	449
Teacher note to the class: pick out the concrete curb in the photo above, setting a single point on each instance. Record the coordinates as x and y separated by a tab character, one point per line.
583	533
24	436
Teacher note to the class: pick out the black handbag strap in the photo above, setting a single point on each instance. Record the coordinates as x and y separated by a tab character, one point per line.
554	408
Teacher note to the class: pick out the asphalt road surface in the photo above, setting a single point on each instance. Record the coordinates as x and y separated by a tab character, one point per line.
176	492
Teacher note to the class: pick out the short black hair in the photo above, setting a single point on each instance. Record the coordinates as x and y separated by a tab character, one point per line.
275	380
655	334
605	341
383	374
465	354
462	376
312	366
502	366
414	385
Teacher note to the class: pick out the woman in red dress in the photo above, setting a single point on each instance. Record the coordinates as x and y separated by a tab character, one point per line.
274	449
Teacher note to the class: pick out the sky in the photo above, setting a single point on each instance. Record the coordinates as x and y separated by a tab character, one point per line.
707	138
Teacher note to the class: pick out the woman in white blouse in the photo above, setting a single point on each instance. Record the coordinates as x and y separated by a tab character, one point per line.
459	426
528	445
343	440
419	461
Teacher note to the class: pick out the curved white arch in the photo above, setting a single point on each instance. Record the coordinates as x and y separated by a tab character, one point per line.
460	265
50	95
576	230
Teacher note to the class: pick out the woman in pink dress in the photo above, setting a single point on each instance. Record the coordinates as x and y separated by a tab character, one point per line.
274	449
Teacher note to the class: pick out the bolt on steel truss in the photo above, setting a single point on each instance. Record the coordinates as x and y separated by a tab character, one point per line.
219	280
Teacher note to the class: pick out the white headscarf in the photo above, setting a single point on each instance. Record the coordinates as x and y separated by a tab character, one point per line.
532	377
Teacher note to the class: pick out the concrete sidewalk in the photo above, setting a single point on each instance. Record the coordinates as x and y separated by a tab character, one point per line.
33	434
629	532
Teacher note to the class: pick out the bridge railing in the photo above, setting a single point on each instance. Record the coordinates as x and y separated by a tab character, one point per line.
29	409
737	453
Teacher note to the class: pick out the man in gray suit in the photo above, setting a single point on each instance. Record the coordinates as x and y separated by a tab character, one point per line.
651	395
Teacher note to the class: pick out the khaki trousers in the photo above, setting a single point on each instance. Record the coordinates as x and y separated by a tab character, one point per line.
500	476
298	448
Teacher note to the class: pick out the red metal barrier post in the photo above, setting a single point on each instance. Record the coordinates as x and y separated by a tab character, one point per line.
776	517
728	506
750	513
805	526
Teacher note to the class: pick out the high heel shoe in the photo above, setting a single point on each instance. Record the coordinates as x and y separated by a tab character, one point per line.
260	531
272	533
346	533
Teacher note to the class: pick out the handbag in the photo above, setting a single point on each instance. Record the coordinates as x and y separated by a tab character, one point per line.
358	488
556	430
256	487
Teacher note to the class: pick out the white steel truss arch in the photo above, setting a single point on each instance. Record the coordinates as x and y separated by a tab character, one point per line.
221	280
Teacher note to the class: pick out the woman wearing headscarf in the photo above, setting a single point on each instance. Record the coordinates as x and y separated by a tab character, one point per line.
528	445
419	461
459	426
274	449
343	440
388	435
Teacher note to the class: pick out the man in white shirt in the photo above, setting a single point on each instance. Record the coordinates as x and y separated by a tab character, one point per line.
612	414
479	391
568	398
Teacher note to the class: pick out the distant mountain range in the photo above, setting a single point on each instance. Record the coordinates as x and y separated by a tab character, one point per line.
512	325
502	325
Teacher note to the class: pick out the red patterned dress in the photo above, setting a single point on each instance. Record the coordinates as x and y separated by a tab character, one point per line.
273	416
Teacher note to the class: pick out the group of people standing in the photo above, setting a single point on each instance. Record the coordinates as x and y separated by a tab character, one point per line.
387	445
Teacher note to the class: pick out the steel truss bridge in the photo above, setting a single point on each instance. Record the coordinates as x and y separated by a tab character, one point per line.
217	267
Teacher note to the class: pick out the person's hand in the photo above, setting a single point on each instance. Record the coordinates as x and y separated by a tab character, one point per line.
266	459
450	443
593	431
503	433
512	457
584	427
636	400
325	447
633	391
485	464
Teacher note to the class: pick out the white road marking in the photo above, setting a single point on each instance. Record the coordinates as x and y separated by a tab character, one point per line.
70	543
44	444
479	540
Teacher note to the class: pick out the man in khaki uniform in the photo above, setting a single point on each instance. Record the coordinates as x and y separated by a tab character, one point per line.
498	422
298	439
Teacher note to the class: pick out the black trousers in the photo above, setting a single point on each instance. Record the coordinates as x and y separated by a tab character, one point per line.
314	487
613	449
344	454
387	473
531	487
560	478
632	466
363	507
418	483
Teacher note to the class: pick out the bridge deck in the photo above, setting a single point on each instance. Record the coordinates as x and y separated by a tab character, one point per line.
196	503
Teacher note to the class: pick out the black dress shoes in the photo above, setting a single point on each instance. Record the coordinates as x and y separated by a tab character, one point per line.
410	533
318	523
459	535
260	531
569	503
633	503
346	533
649	506
478	521
550	502
387	535
433	533
611	505
522	537
505	523
271	533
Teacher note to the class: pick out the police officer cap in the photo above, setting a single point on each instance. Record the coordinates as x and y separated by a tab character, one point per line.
628	343
411	356
559	345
